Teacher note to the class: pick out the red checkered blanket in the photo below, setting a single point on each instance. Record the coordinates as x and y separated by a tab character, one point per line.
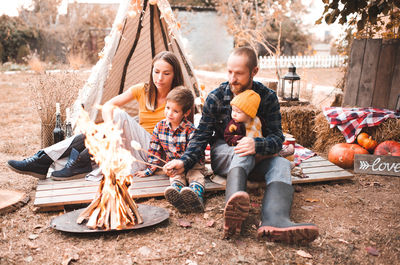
301	153
350	121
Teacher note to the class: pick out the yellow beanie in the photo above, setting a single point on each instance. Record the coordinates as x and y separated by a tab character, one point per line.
247	101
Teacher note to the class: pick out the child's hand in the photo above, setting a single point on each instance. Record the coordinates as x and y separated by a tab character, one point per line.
174	167
140	174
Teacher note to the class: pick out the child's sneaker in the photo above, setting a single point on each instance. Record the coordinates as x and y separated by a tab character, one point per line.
173	196
193	197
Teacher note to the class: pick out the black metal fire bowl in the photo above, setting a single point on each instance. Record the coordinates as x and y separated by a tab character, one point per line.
151	215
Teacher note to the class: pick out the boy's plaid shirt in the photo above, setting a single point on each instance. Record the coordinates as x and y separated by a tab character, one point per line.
168	143
217	114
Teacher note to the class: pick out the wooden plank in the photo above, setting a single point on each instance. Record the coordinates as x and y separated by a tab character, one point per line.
354	73
395	88
368	74
377	165
51	185
313	159
330	168
384	74
321	177
148	184
316	164
64	200
66	192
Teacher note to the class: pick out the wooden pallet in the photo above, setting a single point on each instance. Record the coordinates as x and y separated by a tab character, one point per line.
54	195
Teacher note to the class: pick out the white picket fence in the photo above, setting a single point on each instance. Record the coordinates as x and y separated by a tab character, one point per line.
330	61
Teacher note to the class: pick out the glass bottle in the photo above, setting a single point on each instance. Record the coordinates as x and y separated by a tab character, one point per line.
68	125
58	132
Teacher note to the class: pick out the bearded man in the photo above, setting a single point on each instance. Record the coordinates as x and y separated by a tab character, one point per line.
275	222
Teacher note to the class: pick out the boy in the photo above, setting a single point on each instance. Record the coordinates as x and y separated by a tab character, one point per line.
169	139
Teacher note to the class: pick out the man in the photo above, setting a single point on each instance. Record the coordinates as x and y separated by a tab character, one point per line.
277	201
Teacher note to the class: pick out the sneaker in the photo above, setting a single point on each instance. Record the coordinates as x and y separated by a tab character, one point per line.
78	165
173	196
193	197
36	166
235	212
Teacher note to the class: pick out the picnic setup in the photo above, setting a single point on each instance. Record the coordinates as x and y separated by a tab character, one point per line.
149	161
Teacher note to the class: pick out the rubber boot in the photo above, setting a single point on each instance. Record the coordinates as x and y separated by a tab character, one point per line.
237	201
276	224
36	166
78	165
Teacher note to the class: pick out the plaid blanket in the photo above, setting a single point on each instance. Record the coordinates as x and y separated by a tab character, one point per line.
350	121
301	153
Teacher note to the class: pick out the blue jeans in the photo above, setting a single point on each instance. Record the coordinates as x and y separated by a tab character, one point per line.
223	159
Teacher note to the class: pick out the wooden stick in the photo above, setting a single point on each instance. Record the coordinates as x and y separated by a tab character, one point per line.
154	155
146	163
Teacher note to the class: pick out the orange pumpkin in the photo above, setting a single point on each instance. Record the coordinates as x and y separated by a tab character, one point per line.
342	154
390	148
366	141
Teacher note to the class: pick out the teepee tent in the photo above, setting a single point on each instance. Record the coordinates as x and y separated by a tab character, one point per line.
141	29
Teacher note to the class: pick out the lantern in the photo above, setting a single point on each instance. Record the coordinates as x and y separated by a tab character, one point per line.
290	85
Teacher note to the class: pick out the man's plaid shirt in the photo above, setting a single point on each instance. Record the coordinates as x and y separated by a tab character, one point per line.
168	143
217	113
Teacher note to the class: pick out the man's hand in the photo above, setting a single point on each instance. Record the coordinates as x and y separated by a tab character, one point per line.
174	167
246	146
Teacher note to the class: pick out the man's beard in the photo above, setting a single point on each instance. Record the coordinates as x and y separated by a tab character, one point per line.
241	88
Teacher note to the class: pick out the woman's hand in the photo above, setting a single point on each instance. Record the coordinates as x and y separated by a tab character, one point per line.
174	167
245	146
140	174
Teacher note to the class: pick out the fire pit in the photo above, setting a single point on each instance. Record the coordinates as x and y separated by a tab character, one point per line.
112	208
151	215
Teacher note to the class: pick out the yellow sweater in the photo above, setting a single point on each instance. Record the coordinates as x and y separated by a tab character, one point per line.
147	118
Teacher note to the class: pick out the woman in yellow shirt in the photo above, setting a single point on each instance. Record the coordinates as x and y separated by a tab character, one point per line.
166	74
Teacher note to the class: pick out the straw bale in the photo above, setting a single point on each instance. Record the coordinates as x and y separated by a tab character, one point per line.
299	122
327	137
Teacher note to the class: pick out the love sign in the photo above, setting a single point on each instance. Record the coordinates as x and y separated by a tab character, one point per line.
377	165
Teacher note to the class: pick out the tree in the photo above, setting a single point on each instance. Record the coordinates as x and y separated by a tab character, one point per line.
261	24
370	17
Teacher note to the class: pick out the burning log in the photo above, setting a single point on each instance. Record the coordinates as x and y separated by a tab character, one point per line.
113	208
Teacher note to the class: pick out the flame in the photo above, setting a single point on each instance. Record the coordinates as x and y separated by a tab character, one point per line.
112	208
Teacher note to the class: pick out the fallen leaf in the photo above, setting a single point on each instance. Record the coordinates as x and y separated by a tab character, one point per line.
372	251
311	200
184	223
303	254
33	236
210	223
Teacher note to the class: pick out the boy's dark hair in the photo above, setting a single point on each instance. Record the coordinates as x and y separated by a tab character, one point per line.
182	96
249	53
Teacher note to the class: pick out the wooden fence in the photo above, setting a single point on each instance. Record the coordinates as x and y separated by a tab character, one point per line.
330	61
373	77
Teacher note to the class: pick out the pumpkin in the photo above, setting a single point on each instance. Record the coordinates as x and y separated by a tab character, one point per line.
342	154
390	148
366	141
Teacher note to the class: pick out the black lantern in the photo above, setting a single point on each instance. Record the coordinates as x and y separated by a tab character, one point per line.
290	87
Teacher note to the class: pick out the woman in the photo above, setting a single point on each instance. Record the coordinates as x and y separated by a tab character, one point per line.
165	74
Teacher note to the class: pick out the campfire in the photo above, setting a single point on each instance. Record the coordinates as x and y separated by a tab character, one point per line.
112	208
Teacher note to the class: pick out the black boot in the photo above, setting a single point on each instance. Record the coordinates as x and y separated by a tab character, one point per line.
237	201
78	165
36	166
276	224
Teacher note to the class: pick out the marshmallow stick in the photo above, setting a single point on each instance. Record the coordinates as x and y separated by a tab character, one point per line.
149	164
138	147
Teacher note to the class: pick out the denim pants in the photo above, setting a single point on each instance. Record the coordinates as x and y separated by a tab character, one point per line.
223	159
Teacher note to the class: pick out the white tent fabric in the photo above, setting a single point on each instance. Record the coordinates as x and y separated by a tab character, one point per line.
141	29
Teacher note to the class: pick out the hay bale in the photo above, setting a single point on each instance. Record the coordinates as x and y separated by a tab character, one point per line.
299	122
327	137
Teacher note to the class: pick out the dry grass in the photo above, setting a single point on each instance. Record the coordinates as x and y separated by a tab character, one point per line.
76	61
46	90
35	64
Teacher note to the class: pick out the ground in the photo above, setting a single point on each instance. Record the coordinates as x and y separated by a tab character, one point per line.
356	218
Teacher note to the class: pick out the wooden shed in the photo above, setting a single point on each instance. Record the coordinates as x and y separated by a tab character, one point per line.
373	77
